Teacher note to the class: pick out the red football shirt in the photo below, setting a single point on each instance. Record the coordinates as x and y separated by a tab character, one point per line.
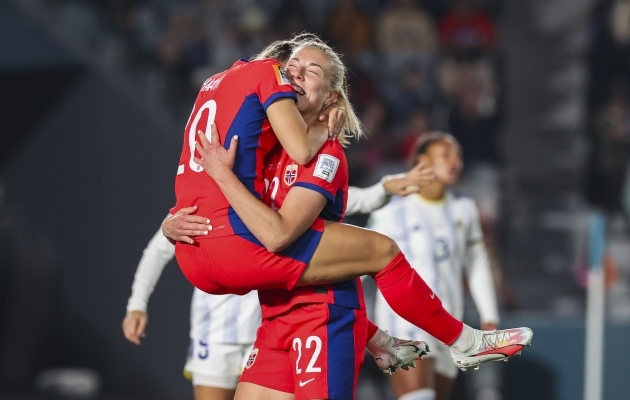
236	100
326	174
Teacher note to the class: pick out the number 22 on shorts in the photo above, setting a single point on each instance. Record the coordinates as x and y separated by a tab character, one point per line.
310	341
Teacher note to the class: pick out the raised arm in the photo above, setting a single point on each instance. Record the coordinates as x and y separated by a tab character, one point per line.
275	230
301	142
155	256
366	200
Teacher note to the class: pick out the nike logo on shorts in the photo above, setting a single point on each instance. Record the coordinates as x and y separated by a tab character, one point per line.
305	382
433	295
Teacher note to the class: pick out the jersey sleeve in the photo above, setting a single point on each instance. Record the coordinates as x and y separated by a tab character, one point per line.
156	255
327	173
268	80
480	279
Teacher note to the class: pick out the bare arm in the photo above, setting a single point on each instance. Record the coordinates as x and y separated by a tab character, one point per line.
299	140
275	230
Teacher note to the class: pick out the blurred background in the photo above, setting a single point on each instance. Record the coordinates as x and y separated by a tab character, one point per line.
94	95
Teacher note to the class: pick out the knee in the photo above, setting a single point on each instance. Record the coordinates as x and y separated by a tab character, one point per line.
388	248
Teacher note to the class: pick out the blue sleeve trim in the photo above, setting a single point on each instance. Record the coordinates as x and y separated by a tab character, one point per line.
279	95
318	189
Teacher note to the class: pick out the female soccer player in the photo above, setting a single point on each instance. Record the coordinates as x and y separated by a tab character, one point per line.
439	232
223	328
239	254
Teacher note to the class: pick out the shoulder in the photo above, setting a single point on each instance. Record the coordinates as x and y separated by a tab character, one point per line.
464	203
332	148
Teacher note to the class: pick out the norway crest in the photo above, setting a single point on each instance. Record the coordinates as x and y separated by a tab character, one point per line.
251	359
290	174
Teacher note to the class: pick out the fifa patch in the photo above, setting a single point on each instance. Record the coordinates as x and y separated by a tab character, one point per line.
326	167
290	174
251	359
281	75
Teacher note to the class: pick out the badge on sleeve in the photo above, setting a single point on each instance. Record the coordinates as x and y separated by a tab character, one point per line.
281	75
290	174
326	167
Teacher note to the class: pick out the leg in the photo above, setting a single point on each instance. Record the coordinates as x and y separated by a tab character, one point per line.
422	377
345	252
443	386
213	393
252	391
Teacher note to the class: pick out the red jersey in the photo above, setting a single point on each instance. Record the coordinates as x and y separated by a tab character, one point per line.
236	100
326	174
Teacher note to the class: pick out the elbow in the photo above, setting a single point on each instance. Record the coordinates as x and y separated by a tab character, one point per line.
303	158
276	244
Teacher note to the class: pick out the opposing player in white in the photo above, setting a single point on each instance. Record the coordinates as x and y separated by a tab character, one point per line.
223	328
440	234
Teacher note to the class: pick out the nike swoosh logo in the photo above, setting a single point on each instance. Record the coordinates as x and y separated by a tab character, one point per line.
305	382
433	295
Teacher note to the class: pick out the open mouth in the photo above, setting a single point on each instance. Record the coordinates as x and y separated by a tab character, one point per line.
298	89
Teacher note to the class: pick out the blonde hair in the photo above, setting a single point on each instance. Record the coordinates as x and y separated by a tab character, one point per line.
339	83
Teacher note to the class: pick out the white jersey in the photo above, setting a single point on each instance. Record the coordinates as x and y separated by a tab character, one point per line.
442	240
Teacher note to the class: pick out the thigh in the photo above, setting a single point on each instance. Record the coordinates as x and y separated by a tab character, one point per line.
213	393
346	252
252	391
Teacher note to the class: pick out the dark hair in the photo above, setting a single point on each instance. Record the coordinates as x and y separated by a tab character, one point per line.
427	140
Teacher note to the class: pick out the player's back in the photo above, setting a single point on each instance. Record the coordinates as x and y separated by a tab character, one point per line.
236	101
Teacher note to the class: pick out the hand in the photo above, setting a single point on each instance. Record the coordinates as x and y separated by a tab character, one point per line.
336	117
411	181
488	326
215	159
181	226
133	326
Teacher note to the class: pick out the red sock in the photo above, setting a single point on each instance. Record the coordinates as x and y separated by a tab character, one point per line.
371	330
411	298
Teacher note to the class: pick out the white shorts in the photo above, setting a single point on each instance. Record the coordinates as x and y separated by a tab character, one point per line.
222	333
217	364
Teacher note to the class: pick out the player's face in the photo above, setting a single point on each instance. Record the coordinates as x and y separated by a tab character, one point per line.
310	74
446	159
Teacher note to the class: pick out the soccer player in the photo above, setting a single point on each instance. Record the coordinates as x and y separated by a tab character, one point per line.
439	232
223	328
253	247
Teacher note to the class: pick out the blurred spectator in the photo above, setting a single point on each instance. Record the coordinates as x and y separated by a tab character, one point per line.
410	88
467	30
620	21
613	138
417	126
350	30
405	31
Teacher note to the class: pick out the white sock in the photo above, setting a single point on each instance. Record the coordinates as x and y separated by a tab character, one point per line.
420	394
380	338
466	340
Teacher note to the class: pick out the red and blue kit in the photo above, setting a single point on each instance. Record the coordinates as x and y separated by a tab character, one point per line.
236	100
312	339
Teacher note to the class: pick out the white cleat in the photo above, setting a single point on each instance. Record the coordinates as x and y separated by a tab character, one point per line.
493	346
393	353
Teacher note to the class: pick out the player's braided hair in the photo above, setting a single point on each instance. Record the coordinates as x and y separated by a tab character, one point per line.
427	140
339	83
